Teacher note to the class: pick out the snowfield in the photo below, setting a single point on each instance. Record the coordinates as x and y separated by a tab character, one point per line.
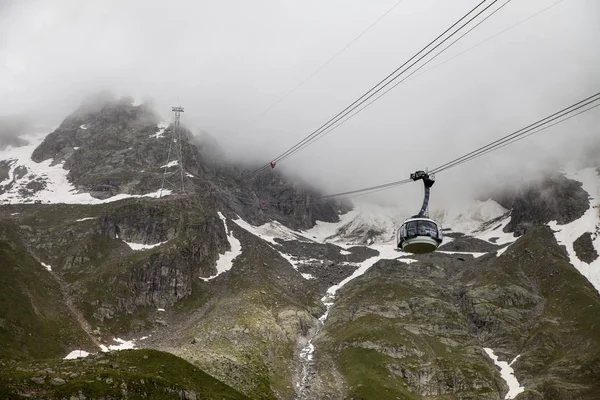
589	222
225	261
141	246
57	188
507	373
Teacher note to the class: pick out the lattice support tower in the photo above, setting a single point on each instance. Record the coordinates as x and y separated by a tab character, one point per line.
174	179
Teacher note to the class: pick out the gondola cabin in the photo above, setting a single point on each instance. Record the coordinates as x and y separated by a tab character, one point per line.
419	235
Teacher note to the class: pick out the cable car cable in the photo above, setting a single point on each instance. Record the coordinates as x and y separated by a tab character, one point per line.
306	141
367	95
289	93
347	118
538	126
522	131
526	136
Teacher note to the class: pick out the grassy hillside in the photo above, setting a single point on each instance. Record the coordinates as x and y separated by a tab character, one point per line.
395	333
34	320
129	374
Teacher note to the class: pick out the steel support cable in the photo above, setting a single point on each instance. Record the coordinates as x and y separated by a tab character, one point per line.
539	129
311	138
289	93
373	189
492	37
347	118
531	129
382	81
522	131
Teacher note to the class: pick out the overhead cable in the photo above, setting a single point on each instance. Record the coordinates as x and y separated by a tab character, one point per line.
380	95
385	82
541	125
312	75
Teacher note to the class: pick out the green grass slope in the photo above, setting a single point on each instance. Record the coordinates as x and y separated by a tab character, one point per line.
34	319
395	333
129	374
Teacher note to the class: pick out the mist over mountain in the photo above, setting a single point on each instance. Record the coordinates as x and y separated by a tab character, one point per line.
147	252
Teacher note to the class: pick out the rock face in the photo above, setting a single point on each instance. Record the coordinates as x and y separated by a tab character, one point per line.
112	148
584	248
554	198
417	330
398	332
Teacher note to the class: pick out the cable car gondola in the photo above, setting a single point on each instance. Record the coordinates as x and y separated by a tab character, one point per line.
420	234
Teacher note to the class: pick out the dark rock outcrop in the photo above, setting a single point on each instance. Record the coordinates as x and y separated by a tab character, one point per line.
553	198
584	248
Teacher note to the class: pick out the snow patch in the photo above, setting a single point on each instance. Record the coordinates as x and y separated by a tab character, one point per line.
123	345
475	255
170	164
159	309
496	235
57	188
48	268
85	219
589	222
345	253
84	127
469	220
141	246
386	252
507	374
76	354
501	251
161	130
271	231
225	261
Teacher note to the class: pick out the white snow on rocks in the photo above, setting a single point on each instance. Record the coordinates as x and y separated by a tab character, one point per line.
121	344
57	189
386	252
501	251
48	268
141	246
468	253
589	222
76	354
271	231
507	374
225	261
170	164
469	220
85	219
495	234
161	130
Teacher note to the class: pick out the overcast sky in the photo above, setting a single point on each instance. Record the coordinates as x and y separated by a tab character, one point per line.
228	61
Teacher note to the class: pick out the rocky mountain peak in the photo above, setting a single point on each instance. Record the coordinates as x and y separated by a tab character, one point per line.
553	198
